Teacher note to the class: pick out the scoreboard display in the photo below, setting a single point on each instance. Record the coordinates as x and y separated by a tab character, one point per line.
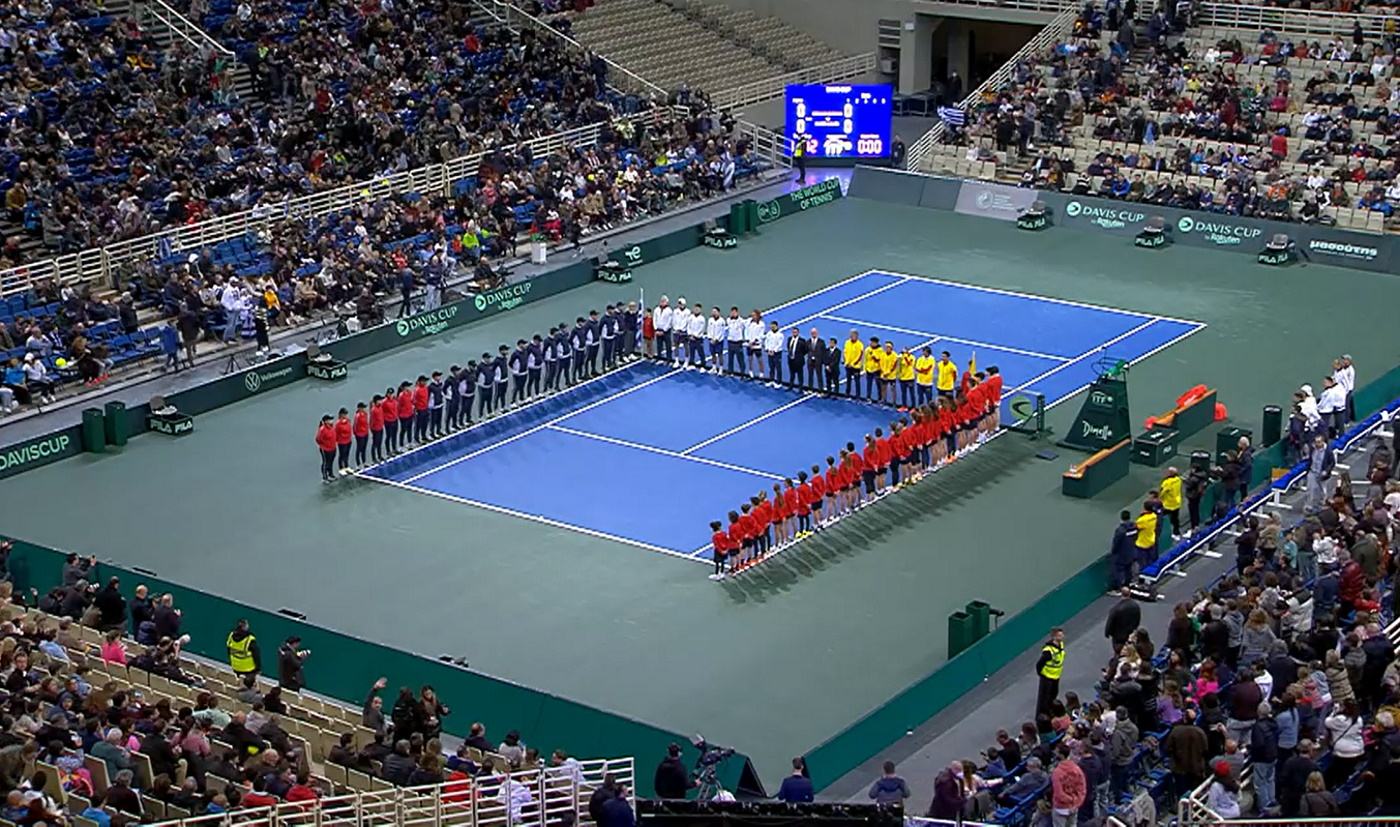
841	121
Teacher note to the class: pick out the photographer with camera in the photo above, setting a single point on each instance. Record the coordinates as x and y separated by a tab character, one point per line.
672	778
289	665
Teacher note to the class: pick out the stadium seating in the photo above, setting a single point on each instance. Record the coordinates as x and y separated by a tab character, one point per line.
183	691
1205	115
704	45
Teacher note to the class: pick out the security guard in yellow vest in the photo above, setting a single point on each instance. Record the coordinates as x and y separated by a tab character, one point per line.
1049	668
799	156
243	654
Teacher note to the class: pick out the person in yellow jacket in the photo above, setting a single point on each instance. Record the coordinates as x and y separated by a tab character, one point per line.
923	376
947	375
243	654
853	353
889	371
872	368
1171	499
1048	669
1146	534
906	378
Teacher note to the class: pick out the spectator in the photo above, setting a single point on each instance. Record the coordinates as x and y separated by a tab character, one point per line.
1069	791
1223	796
372	716
672	780
889	788
1033	781
289	664
948	796
1317	802
797	787
1123	619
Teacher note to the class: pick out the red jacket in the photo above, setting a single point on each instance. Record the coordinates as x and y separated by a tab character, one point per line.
361	425
792	503
804	499
325	437
720	541
420	397
376	417
389	410
342	432
405	405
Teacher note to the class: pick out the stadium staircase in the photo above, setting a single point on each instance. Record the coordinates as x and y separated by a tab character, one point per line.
168	27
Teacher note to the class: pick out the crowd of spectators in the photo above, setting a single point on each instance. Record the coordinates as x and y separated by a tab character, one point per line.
107	136
351	261
1276	690
1270	128
76	739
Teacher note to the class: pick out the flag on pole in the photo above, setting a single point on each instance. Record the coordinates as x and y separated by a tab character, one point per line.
972	364
952	116
164	248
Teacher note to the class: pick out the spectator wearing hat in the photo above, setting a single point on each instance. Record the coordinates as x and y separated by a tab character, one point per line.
1223	797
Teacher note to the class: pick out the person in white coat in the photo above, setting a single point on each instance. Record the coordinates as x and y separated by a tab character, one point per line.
661	318
754	331
680	321
233	303
695	337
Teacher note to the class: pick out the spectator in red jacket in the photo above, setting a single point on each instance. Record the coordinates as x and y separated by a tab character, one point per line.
1067	791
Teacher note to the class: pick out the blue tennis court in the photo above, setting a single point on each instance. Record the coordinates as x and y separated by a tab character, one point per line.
698	444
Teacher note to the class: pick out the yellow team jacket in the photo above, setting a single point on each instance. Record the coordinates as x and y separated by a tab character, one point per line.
853	351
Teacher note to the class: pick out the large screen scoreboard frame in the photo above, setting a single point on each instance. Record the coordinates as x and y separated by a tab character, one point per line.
840	121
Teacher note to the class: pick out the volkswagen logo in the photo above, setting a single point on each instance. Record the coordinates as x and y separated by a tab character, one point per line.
252	381
1074	208
1186	224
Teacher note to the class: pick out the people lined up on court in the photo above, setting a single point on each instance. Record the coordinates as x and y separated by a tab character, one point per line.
755	347
433	406
926	438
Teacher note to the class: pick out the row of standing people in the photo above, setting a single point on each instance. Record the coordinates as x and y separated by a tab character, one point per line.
435	405
928	437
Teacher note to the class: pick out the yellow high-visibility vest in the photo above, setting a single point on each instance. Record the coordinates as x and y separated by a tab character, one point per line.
240	654
1056	665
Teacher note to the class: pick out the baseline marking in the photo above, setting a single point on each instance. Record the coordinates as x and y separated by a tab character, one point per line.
1035	296
663	452
830	287
860	298
535	518
493	446
970	342
754	421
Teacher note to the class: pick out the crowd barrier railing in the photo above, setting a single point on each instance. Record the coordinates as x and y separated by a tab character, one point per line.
531	797
1315	23
767	89
921	151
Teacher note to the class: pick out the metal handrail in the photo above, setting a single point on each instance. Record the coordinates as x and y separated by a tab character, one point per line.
1053	33
177	23
767	89
1293	21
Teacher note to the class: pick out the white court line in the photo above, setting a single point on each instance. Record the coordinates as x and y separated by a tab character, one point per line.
861	297
1035	296
1200	326
493	446
830	287
753	421
663	452
537	518
987	345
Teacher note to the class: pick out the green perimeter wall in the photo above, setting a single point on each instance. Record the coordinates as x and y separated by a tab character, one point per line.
933	693
351	665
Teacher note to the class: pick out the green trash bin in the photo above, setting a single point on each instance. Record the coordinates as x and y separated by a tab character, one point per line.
981	614
1272	430
1200	460
752	207
959	633
94	432
116	429
1228	439
738	218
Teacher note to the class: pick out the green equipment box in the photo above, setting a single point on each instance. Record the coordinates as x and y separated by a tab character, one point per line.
1156	446
1096	473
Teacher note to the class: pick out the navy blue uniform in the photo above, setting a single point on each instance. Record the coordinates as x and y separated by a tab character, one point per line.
485	381
501	379
518	360
534	364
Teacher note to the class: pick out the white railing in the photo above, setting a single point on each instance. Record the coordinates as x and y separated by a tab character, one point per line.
532	797
1289	21
766	143
160	13
767	89
1053	33
1047	6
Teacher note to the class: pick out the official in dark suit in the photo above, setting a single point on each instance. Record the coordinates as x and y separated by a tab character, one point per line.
797	357
833	366
816	359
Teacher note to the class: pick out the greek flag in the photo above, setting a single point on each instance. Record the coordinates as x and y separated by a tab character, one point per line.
164	248
952	116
